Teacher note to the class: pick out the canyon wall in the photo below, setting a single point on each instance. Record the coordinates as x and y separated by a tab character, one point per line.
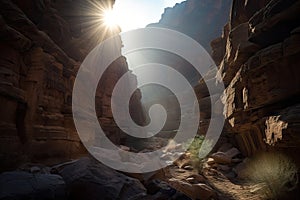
202	20
258	58
42	44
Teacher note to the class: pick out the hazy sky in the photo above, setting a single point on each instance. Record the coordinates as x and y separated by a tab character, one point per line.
132	14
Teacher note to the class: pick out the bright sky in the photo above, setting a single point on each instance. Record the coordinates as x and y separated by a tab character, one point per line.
133	14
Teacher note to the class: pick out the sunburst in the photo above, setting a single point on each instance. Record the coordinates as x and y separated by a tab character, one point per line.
110	19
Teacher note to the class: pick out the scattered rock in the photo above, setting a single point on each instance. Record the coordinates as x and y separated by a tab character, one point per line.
222	158
188	167
180	170
210	161
184	163
197	178
194	191
191	180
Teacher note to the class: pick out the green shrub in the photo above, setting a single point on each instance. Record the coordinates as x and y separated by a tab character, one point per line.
193	149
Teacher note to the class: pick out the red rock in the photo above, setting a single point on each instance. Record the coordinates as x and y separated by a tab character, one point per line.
259	72
197	178
273	27
222	158
194	191
210	161
37	74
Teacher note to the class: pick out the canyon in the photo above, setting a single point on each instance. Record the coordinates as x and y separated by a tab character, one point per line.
255	45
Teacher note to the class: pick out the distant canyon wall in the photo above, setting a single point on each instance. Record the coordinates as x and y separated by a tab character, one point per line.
202	20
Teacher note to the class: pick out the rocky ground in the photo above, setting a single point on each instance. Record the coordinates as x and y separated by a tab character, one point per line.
222	175
86	178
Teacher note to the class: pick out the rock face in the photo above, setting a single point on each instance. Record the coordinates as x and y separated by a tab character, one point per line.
203	21
258	57
200	19
42	45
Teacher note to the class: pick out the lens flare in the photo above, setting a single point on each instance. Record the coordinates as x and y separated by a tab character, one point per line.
110	19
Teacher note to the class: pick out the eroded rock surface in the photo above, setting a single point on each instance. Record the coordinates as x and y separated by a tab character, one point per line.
259	68
42	46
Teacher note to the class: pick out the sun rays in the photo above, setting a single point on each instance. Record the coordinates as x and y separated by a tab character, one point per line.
110	19
97	21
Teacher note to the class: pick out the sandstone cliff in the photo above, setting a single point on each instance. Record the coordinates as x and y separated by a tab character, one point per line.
42	45
258	57
200	19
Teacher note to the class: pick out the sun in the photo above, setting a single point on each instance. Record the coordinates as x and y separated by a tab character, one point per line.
110	19
118	16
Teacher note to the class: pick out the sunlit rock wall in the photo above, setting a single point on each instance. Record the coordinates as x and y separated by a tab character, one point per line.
258	57
42	44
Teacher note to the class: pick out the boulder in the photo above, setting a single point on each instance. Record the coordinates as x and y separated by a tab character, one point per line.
232	152
242	170
194	191
210	161
89	179
224	168
18	185
221	158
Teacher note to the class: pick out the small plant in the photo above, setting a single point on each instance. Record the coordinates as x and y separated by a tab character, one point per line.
194	149
275	172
